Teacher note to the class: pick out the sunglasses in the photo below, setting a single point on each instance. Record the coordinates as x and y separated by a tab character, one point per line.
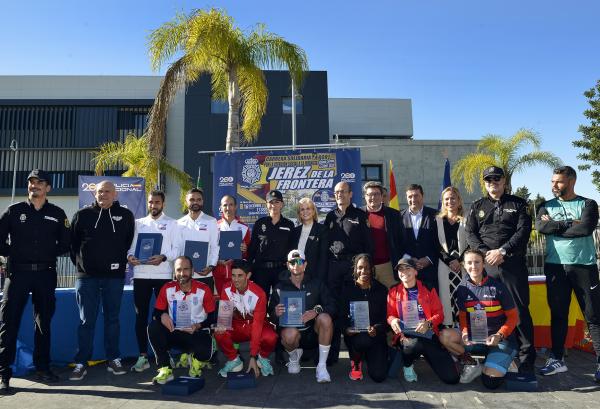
296	262
493	179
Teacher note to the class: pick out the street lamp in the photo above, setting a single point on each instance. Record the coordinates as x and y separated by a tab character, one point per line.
14	146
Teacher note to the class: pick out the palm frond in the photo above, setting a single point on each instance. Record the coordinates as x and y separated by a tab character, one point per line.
254	96
470	168
167	40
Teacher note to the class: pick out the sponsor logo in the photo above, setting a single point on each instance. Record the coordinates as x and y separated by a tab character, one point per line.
251	171
117	218
119	187
226	181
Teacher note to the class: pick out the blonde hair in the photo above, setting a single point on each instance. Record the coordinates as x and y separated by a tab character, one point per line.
311	204
444	211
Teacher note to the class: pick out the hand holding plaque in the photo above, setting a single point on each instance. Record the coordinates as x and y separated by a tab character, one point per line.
182	314
294	305
478	327
225	315
359	316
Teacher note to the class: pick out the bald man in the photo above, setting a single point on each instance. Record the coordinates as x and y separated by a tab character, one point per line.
101	235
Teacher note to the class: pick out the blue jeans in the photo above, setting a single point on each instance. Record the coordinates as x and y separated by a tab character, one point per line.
88	292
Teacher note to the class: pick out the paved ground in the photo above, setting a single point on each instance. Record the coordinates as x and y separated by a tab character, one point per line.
574	389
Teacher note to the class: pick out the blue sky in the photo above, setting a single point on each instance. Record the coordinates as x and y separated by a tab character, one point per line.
470	67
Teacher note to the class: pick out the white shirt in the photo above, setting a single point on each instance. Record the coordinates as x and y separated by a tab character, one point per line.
416	221
304	237
166	226
204	228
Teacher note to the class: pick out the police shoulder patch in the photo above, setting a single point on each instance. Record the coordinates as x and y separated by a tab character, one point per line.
67	224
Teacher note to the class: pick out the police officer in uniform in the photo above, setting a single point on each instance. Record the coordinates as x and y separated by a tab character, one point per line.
39	232
499	225
349	235
270	243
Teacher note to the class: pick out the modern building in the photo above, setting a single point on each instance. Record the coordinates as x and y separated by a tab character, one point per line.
59	121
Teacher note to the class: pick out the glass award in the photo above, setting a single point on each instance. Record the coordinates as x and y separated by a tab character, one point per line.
479	327
410	314
182	314
359	316
294	304
225	314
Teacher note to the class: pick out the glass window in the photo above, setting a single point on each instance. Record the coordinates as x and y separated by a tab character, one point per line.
287	105
219	107
371	173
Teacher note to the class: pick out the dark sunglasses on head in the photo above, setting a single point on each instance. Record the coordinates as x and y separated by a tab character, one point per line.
296	261
493	178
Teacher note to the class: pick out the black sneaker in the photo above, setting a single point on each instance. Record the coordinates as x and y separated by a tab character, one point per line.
4	387
46	376
526	368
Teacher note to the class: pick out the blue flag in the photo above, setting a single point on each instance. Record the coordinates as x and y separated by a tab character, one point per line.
445	182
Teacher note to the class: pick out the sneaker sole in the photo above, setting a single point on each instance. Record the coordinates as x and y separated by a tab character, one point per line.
142	369
162	382
80	378
114	372
323	380
355	379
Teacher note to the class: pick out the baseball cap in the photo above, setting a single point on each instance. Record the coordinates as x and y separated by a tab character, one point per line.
41	175
296	254
493	171
274	195
406	262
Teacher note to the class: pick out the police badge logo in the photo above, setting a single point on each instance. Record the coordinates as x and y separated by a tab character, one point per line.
263	228
23	217
196	255
481	214
67	224
251	171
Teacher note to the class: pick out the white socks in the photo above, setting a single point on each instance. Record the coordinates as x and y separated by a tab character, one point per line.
323	353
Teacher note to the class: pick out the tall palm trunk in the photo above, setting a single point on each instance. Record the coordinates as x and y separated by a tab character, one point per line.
233	119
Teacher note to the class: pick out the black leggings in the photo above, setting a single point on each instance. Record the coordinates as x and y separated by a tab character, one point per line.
560	281
199	343
142	294
373	350
436	356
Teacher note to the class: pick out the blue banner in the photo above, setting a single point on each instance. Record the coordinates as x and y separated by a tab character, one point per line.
131	192
249	175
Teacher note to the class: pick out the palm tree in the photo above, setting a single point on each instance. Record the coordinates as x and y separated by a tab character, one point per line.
211	44
493	150
134	155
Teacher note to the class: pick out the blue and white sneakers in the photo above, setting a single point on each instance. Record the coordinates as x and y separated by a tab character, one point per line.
553	366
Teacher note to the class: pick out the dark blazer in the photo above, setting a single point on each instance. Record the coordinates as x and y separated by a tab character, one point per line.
315	251
393	230
425	245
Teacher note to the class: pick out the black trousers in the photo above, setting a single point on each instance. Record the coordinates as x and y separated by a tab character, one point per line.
199	343
41	285
143	288
266	278
436	356
514	274
339	274
561	279
373	350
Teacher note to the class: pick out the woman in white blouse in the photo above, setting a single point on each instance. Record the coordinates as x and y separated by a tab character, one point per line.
309	237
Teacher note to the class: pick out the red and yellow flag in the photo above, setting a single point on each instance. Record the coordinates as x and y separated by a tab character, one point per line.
394	203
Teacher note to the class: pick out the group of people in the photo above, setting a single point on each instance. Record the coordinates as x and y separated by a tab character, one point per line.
451	286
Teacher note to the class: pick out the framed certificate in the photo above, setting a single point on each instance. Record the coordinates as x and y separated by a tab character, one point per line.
295	304
148	245
359	316
229	245
198	252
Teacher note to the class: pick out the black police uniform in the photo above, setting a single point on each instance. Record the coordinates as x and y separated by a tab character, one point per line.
37	237
505	223
269	246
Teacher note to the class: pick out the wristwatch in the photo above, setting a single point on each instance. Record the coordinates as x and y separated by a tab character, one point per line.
502	251
318	309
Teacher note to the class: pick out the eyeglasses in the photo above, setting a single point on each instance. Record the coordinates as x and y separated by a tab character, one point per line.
296	262
493	179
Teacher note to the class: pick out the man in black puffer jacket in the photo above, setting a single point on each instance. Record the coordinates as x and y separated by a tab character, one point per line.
101	235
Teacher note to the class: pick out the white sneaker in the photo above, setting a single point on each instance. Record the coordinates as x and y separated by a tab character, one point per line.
470	372
293	364
322	374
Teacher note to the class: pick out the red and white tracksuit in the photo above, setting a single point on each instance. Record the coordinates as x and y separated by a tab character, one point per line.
249	322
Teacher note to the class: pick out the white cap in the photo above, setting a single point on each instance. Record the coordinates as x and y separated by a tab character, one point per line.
296	254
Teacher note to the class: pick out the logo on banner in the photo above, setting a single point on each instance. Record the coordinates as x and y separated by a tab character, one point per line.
348	177
119	187
251	171
225	181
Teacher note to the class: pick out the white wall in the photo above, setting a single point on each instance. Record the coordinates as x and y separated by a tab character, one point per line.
370	116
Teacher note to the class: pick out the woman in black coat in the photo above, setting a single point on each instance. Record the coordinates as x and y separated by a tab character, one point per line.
368	343
309	237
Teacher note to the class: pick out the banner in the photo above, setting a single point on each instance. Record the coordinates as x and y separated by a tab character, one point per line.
249	175
131	192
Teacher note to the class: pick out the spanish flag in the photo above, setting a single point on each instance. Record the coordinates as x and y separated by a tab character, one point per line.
394	203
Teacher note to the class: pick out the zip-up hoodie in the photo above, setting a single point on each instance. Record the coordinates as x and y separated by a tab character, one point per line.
100	239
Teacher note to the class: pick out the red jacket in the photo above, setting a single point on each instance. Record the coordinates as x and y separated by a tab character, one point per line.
429	301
